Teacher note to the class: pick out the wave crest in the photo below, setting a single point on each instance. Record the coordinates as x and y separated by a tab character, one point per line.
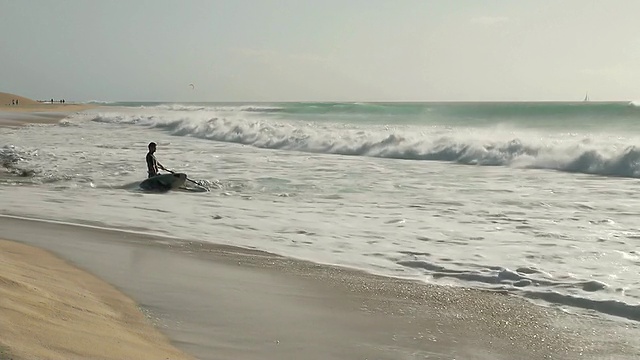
488	147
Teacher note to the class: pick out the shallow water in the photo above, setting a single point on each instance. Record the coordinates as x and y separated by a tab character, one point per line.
352	193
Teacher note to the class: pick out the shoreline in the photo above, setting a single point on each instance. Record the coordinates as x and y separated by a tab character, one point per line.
237	303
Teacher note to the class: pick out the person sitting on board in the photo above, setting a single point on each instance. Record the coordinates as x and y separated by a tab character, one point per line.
152	163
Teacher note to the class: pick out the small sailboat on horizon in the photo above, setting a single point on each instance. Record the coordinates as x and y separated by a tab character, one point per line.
586	97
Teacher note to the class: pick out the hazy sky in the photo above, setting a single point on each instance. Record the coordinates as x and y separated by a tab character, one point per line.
338	50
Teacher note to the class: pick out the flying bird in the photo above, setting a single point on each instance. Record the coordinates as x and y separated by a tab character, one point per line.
192	87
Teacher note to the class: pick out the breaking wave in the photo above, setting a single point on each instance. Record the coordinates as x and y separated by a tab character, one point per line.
607	156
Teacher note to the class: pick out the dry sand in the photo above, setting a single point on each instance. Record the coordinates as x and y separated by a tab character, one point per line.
51	310
7	98
32	112
221	302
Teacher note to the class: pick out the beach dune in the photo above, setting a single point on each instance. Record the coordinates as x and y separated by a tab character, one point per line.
7	98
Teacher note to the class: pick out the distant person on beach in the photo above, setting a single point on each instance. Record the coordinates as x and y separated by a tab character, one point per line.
16	101
13	102
152	163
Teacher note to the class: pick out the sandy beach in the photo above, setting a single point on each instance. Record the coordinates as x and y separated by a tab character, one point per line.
51	310
29	111
221	302
63	286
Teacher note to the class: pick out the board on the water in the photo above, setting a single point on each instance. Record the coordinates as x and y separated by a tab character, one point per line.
164	182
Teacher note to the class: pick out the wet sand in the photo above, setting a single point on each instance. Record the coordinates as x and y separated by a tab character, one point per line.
221	302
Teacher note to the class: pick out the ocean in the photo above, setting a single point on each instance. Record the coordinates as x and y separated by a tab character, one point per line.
536	199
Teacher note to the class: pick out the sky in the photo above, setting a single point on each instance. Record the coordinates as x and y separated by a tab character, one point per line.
322	50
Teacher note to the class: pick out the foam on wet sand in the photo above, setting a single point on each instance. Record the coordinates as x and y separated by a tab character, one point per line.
221	302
